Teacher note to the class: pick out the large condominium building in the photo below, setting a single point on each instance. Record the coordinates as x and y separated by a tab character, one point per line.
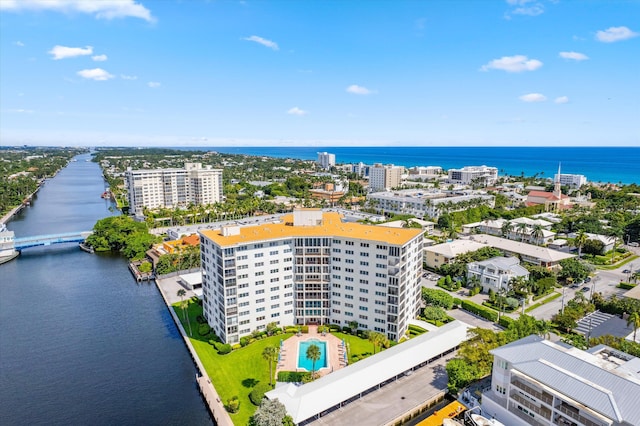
537	382
470	175
574	181
170	188
310	268
326	160
382	178
425	203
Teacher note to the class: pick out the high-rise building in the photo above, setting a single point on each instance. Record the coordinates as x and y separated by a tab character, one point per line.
574	181
310	268
326	160
169	188
469	175
385	177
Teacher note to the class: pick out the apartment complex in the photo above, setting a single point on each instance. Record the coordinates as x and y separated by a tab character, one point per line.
470	175
384	177
310	268
574	181
169	188
537	382
326	160
426	203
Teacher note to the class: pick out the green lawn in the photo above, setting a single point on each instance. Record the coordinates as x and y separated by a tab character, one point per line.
238	372
357	346
618	264
235	373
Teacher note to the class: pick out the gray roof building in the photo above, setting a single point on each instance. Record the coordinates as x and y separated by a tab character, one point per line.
538	382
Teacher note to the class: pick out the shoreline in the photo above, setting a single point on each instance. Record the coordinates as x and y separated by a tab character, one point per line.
216	409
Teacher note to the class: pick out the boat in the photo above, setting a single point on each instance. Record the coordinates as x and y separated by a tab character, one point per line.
451	422
7	250
483	421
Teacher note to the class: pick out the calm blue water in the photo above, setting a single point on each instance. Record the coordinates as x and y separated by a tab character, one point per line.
307	364
601	164
80	341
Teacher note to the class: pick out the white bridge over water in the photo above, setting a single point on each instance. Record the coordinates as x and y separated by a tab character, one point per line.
47	240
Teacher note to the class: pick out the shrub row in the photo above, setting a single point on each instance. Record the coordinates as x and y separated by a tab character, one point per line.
626	286
480	310
293	376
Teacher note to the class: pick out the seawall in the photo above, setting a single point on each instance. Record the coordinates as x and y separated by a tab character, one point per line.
207	390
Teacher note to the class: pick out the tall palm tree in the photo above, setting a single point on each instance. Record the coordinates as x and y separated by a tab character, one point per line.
522	230
377	339
181	293
579	241
634	320
537	233
507	227
313	354
268	354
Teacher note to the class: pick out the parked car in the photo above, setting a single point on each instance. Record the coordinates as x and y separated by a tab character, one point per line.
626	271
585	288
587	280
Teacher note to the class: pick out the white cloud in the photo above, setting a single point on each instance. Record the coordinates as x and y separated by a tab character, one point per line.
517	63
19	43
533	97
576	56
358	90
102	9
297	111
263	41
95	74
522	7
61	52
21	111
615	34
561	100
128	77
99	58
153	84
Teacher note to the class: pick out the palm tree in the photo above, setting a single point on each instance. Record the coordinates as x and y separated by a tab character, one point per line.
313	354
377	339
634	320
507	227
537	233
268	354
181	293
522	229
579	241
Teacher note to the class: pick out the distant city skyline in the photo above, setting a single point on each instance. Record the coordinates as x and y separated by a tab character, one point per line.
321	73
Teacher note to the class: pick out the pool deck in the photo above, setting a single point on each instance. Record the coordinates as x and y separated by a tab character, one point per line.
289	352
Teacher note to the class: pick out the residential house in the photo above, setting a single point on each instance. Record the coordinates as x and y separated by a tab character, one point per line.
495	273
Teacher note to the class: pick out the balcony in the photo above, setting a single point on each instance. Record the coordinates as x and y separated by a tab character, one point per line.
394	261
541	411
393	272
574	413
541	396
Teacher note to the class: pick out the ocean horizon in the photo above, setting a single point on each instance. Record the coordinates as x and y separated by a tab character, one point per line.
598	164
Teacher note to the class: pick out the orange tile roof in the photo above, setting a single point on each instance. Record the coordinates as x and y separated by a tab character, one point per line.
191	240
332	226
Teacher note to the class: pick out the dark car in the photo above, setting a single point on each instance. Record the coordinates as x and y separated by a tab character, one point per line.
626	271
587	280
585	288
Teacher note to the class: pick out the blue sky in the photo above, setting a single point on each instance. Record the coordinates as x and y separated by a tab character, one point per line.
379	72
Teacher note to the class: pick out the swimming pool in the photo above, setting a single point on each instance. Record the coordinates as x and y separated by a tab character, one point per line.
307	364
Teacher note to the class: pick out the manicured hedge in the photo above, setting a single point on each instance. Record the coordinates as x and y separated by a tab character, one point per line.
626	286
505	321
480	310
293	376
258	392
435	297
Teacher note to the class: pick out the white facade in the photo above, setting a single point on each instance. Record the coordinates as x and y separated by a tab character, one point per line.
495	273
169	188
326	160
574	181
470	175
424	173
423	203
537	382
311	268
382	178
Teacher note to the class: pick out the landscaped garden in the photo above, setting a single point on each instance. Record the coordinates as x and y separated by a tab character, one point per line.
237	373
